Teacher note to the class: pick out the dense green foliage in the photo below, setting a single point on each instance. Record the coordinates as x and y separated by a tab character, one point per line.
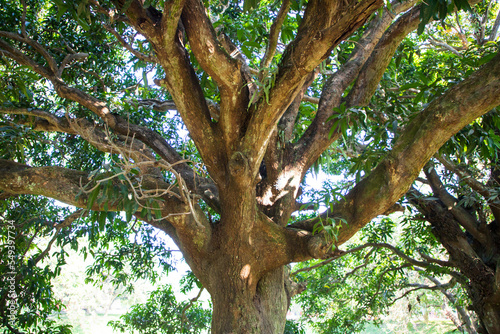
341	295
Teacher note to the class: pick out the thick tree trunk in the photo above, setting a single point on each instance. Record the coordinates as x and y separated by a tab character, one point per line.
489	314
246	279
238	309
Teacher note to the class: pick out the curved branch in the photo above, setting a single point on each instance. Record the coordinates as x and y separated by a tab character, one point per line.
466	220
317	137
274	34
415	287
139	55
422	137
224	69
18	56
375	66
98	137
373	69
477	186
37	46
323	27
201	134
65	185
373	245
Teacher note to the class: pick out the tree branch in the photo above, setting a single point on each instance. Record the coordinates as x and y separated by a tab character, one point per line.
321	29
420	139
65	185
474	184
274	34
18	56
416	287
373	69
153	139
207	48
139	55
435	42
172	11
318	136
226	71
494	30
373	245
181	80
38	48
461	215
130	145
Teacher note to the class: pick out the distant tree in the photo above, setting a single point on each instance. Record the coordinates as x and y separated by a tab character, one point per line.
264	89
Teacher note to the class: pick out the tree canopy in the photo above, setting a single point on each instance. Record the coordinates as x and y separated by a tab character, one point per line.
201	119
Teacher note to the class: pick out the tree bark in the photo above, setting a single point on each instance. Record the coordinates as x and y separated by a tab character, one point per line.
237	308
483	284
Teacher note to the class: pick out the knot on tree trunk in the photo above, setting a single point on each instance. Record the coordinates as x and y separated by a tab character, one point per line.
238	164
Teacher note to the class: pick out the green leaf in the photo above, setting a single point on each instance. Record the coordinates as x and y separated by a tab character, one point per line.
157	210
248	5
101	219
92	197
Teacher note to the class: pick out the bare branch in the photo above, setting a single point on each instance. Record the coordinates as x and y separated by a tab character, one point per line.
436	261
494	30
436	42
139	55
461	215
417	287
373	245
477	186
23	19
274	34
65	223
65	185
311	99
39	48
97	136
70	58
188	305
182	83
158	105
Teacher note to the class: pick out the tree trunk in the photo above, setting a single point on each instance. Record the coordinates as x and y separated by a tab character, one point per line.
489	315
469	257
246	275
238	309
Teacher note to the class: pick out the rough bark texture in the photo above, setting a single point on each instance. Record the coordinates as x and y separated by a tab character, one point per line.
241	259
472	247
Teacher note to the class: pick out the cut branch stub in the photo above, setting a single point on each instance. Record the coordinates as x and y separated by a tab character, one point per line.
238	165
